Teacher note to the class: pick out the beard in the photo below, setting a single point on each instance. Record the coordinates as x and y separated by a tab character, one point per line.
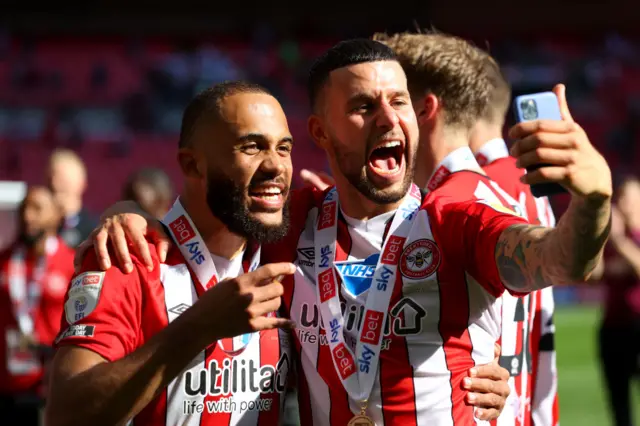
227	201
354	169
30	239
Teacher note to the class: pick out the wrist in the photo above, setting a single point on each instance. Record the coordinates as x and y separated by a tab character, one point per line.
197	323
596	201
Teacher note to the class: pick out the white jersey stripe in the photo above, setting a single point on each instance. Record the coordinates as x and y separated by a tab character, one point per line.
482	338
178	290
245	397
431	373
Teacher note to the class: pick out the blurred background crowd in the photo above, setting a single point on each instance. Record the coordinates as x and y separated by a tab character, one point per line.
91	100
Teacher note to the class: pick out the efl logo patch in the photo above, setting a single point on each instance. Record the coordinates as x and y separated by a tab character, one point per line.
83	295
420	259
182	229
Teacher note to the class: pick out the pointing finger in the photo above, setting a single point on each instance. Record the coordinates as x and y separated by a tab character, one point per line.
269	272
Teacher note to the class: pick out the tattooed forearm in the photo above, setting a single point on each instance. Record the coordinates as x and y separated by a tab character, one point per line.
533	257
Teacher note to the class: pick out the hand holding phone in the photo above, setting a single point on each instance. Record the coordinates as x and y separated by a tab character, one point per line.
561	153
538	106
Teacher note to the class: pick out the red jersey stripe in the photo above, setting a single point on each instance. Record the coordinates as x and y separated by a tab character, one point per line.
454	302
398	396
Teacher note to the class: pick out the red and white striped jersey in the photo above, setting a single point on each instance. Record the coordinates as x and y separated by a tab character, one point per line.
442	320
535	402
545	407
120	312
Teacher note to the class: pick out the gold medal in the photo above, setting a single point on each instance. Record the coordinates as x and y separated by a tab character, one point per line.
361	419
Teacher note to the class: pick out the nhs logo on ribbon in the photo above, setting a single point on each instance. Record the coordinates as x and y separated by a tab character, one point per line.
357	275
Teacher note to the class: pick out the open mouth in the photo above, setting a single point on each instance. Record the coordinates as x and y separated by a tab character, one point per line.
269	197
270	193
386	159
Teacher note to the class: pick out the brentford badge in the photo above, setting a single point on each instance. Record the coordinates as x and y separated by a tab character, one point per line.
420	259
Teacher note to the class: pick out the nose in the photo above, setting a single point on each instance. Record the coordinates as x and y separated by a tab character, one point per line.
274	163
387	117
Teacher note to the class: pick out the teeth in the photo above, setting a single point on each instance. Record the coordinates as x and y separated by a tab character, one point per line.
269	190
268	197
390	144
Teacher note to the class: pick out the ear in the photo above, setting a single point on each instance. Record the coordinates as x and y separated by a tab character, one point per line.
427	108
189	164
315	126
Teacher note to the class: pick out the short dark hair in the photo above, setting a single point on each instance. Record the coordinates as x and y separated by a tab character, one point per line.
154	177
209	101
345	53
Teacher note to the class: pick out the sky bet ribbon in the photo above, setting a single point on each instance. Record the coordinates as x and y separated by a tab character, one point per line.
358	373
200	264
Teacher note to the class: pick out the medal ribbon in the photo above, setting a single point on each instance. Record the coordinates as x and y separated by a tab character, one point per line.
199	261
358	373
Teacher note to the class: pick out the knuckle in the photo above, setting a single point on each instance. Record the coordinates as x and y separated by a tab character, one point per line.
278	289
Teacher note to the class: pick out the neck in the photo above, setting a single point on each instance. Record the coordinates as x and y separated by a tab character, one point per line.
357	206
434	146
219	239
72	207
39	247
482	133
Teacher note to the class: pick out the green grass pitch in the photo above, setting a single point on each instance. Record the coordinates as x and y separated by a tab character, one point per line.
582	393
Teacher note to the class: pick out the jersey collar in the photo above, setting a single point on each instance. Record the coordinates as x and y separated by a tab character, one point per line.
491	151
458	160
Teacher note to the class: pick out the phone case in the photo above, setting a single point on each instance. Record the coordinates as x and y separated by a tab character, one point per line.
533	107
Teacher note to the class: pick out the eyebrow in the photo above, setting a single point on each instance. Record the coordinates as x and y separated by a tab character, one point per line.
362	96
262	138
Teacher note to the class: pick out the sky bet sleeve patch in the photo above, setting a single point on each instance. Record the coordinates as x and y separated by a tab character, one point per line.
84	294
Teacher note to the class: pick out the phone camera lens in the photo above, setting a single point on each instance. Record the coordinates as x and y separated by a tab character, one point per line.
529	109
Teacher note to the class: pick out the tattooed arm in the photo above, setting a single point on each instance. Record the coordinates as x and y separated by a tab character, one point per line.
533	257
529	258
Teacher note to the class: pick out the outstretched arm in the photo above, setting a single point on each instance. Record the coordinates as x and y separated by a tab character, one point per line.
534	257
531	257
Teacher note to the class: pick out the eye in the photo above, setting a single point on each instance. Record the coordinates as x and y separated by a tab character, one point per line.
362	108
286	148
399	103
251	149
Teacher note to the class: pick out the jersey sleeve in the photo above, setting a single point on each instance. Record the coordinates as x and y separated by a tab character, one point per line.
479	224
102	310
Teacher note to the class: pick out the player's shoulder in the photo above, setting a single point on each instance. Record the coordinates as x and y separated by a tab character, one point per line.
307	197
460	185
116	274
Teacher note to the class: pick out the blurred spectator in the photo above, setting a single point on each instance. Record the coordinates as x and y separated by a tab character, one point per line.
34	273
68	181
151	188
620	331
